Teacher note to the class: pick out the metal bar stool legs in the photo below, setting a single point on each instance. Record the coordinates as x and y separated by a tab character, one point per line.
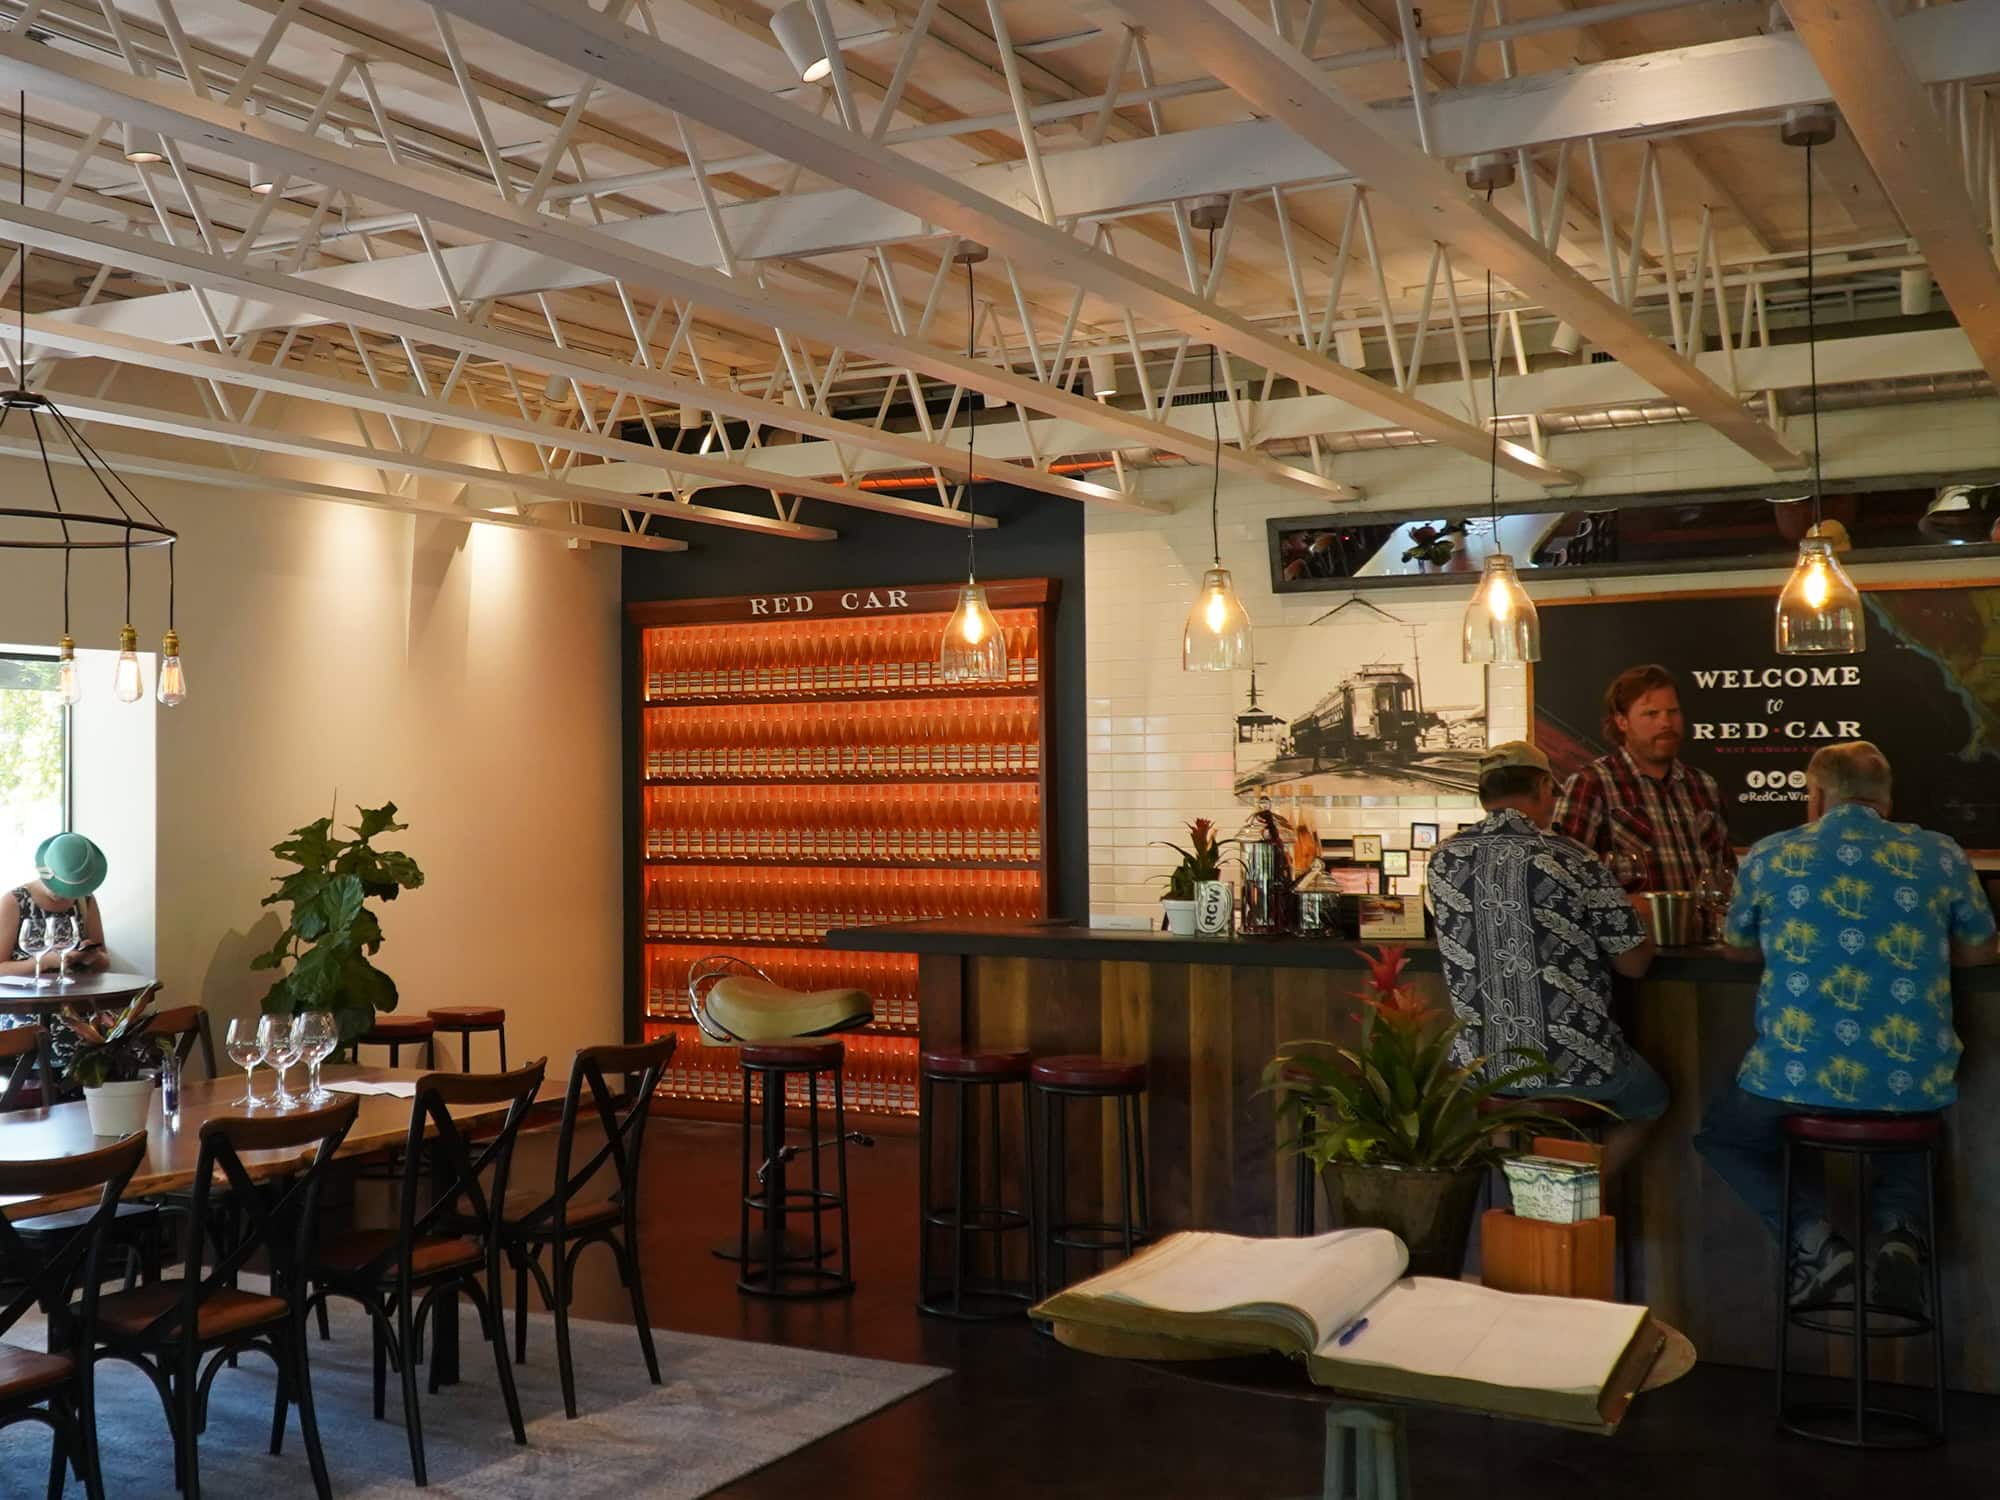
967	1216
767	1271
1056	1081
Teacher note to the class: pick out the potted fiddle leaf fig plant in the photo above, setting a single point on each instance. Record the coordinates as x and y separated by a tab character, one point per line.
108	1054
1200	862
1401	1131
326	947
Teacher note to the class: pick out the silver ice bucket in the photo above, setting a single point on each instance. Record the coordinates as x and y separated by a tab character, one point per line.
1672	918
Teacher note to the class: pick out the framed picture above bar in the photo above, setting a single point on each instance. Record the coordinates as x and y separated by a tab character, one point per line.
1927	690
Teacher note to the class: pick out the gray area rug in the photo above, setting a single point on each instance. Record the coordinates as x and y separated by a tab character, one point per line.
724	1407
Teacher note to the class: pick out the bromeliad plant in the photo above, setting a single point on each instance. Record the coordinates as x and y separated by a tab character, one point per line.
1200	861
109	1046
1396	1098
332	933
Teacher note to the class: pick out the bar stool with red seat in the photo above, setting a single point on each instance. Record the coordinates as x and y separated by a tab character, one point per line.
1056	1081
396	1033
1863	1139
470	1020
963	1072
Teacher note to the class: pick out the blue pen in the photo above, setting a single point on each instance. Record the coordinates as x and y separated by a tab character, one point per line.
1353	1332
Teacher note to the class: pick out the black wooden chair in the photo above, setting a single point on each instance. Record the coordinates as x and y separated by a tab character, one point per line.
533	1221
30	1075
437	1248
169	1329
54	1387
187	1025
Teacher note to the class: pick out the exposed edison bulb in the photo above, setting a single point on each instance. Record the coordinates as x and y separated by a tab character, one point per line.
128	685
69	681
1501	624
974	648
1217	635
1819	611
173	689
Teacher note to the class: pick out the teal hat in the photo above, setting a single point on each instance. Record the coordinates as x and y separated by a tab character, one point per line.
70	865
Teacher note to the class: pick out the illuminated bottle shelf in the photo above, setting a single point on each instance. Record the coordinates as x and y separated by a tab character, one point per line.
801	766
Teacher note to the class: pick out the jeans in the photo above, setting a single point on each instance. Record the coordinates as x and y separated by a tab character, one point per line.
1635	1093
1742	1138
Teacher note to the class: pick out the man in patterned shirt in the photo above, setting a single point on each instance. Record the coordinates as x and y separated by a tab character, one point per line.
1857	922
1640	799
1530	927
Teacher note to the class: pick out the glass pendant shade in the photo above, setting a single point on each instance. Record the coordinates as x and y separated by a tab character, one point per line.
1217	636
1819	612
173	689
69	682
974	648
127	685
1501	625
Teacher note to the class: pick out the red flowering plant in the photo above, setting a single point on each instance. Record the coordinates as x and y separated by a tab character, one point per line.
1396	1097
1201	860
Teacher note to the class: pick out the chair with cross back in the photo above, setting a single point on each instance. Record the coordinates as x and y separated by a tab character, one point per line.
563	1223
182	1331
446	1239
53	1386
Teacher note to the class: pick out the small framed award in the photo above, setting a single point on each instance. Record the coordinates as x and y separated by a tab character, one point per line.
1395	862
1368	848
1423	835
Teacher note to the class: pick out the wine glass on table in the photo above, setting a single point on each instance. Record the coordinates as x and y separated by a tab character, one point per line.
245	1045
280	1052
65	937
34	940
316	1034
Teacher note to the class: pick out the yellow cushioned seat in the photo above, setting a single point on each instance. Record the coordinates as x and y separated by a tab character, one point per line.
756	1010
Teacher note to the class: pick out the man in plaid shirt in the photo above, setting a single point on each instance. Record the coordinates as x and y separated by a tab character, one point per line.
1639	799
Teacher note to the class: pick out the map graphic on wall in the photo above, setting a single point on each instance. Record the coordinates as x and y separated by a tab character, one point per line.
1363	705
1927	690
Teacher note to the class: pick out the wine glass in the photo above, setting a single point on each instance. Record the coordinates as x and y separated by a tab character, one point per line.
280	1052
65	937
316	1034
245	1044
34	940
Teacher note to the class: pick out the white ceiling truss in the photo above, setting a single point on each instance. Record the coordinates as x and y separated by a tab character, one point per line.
581	267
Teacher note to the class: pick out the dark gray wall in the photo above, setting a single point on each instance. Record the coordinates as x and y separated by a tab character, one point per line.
1039	536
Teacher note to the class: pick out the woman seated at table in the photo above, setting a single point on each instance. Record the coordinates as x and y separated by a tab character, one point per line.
68	870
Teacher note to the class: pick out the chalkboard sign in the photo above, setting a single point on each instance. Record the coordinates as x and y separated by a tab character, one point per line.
1927	690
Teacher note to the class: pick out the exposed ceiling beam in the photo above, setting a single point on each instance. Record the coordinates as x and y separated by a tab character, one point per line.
370	174
526	488
150	466
286	380
1669	91
617	54
1277	80
1855	44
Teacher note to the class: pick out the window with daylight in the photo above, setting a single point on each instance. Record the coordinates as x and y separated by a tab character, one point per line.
34	760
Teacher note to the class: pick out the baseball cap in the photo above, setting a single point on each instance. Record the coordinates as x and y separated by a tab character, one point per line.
1512	753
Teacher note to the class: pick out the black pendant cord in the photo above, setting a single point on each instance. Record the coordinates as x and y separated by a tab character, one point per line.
21	248
1812	339
128	575
1215	425
971	433
1492	404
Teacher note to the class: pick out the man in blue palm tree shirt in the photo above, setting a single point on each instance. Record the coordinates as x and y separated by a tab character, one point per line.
1858	922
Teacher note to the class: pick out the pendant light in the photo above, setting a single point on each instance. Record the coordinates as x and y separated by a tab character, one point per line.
1819	610
173	688
1501	626
1216	637
798	34
974	648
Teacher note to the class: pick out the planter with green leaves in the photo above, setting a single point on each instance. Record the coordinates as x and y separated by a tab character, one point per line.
114	1058
1401	1133
333	933
1200	863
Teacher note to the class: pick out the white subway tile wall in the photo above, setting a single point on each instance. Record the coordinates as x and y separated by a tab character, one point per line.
1160	740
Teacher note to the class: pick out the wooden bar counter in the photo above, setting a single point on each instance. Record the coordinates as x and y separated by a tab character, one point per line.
1206	1014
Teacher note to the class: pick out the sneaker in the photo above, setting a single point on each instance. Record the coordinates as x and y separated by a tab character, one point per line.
1818	1274
1896	1274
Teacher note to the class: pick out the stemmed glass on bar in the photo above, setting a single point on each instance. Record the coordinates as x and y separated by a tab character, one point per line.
245	1044
316	1034
34	939
280	1052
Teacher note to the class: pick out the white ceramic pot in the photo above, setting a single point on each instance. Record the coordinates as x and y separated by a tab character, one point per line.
1180	917
118	1109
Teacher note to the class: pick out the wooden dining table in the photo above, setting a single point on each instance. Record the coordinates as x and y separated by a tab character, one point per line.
173	1149
88	991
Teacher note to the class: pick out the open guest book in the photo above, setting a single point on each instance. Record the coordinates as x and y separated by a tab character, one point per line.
1341	1303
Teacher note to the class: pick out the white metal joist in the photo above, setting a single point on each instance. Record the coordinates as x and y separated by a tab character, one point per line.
1885	105
369	174
1277	80
625	58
